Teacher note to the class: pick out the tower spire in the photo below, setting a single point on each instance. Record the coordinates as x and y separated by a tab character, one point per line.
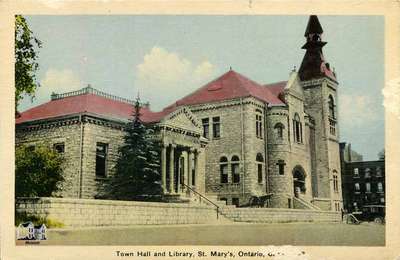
313	64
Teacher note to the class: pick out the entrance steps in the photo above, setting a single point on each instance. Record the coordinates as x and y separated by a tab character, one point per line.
300	203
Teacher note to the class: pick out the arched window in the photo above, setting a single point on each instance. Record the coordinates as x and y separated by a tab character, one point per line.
259	124
335	181
279	130
332	119
223	168
299	177
235	169
260	162
297	129
331	104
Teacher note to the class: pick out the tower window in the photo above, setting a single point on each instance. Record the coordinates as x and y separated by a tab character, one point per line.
335	181
206	127
297	129
331	105
216	127
281	167
332	117
101	159
259	128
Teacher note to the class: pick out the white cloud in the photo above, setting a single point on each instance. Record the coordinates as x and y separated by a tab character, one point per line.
357	110
391	92
164	76
58	81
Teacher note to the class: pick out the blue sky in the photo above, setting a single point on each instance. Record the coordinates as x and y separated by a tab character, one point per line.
166	57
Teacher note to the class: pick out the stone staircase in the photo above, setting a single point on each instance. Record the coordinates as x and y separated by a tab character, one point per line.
300	203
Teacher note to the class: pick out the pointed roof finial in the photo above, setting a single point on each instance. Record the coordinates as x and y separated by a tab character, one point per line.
230	67
294	68
313	26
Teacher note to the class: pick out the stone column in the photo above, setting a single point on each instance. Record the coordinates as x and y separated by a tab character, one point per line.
190	156
171	168
195	156
178	177
164	168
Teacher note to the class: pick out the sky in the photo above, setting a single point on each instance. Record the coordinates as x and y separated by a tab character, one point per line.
163	58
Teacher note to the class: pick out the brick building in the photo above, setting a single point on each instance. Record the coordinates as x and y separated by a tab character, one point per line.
363	182
231	139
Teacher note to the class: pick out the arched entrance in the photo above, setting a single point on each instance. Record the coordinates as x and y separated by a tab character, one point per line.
299	181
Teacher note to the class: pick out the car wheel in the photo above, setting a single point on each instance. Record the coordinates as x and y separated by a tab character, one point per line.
378	220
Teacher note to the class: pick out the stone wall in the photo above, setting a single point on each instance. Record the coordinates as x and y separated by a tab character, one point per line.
97	131
238	138
87	212
65	131
274	215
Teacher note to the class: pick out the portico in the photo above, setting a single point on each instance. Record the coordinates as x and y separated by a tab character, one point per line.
182	145
179	168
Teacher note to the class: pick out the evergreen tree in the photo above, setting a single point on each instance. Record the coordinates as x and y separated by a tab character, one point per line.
137	172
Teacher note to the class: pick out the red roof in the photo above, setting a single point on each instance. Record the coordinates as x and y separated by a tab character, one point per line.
229	86
89	103
276	88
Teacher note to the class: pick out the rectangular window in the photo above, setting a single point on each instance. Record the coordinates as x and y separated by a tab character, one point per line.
235	173
206	127
356	172
281	167
368	187
101	159
59	147
382	200
357	186
367	173
335	183
216	127
380	187
378	171
260	173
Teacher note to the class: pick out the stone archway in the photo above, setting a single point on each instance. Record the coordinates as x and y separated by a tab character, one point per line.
299	181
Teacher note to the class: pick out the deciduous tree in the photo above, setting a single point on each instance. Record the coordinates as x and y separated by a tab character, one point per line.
26	66
38	171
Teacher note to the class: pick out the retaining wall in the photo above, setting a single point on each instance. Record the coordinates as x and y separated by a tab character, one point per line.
90	212
275	215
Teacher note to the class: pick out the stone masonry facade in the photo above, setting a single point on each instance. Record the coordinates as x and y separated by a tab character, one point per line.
233	139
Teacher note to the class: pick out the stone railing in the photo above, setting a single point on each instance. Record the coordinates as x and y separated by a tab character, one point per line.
90	90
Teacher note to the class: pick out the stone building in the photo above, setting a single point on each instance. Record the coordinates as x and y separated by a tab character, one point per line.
231	139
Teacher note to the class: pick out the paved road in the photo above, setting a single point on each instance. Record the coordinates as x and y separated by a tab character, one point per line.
301	234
